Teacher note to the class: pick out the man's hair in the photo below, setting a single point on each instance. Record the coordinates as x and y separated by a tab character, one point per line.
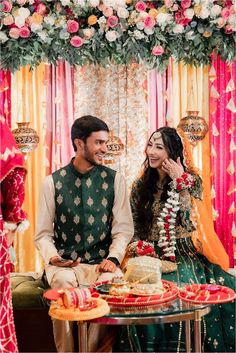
83	127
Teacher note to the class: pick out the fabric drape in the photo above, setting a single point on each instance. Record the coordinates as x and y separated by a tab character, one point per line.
117	94
28	104
5	95
223	146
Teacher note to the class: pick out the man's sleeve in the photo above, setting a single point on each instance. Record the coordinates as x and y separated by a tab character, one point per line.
122	225
46	213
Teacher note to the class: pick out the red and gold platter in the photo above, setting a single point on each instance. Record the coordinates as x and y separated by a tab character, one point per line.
206	293
170	292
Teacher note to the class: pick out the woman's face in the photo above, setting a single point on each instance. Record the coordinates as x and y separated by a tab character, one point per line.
156	151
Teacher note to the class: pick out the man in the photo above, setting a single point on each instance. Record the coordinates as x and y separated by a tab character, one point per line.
84	222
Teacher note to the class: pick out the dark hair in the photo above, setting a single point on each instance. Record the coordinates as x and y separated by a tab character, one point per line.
83	127
147	184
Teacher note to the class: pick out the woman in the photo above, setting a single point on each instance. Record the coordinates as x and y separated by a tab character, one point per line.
163	200
12	218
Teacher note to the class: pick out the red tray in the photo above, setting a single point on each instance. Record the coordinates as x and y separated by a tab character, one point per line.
171	292
206	293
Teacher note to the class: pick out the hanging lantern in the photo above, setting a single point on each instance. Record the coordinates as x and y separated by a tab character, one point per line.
115	149
26	138
194	126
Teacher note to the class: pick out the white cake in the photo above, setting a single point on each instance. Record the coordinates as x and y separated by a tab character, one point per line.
144	269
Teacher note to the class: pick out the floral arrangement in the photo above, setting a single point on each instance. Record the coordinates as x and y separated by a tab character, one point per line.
167	219
141	248
121	31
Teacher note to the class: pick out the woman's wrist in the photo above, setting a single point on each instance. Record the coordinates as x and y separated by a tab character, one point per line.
19	227
185	181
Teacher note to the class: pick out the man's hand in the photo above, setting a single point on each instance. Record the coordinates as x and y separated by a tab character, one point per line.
106	266
60	262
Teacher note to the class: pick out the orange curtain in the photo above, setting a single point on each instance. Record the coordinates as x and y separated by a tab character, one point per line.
28	104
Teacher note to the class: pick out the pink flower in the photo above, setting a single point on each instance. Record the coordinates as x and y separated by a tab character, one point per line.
8	20
14	33
21	2
140	6
41	9
108	11
228	29
6	6
149	22
76	41
24	32
225	13
72	26
185	4
112	21
181	19
157	50
168	3
221	22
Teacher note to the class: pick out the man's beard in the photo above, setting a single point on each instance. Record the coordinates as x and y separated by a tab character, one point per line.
88	157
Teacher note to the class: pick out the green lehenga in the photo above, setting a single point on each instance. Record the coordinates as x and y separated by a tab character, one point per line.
218	327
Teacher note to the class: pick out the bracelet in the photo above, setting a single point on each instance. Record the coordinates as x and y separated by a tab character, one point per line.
186	181
19	227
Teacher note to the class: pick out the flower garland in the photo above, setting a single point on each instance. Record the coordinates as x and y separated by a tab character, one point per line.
121	31
167	219
141	248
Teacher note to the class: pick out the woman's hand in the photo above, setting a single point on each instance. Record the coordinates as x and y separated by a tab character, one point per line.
172	168
10	234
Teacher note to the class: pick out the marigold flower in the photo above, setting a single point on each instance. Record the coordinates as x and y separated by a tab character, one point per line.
92	20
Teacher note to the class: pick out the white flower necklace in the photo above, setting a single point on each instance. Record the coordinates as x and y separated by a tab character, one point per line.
167	223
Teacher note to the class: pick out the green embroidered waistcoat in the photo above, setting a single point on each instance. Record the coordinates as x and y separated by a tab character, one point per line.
83	215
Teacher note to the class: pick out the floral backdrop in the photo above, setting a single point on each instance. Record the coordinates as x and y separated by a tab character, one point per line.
97	31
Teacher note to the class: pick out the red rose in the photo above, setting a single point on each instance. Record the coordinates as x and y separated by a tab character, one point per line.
24	32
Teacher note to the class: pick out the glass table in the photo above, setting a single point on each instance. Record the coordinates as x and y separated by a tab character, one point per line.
169	312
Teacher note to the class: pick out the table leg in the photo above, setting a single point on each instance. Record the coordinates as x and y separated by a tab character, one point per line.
197	332
187	336
82	336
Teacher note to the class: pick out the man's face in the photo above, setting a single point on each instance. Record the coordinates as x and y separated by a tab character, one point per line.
95	147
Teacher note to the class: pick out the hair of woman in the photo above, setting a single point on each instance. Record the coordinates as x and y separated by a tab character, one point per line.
147	184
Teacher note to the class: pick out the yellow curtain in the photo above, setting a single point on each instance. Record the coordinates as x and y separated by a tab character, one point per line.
28	98
190	91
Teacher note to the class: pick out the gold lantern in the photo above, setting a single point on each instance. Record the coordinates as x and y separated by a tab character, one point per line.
115	149
26	138
194	126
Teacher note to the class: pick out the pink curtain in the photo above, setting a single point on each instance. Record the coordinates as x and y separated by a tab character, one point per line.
60	114
5	95
158	98
222	136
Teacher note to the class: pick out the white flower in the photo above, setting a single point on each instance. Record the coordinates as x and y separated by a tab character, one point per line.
64	34
3	37
215	11
111	36
50	20
115	4
178	29
44	37
163	18
23	12
190	35
35	27
88	32
140	25
122	12
19	21
149	31
189	13
102	20
94	3
204	13
65	2
138	35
